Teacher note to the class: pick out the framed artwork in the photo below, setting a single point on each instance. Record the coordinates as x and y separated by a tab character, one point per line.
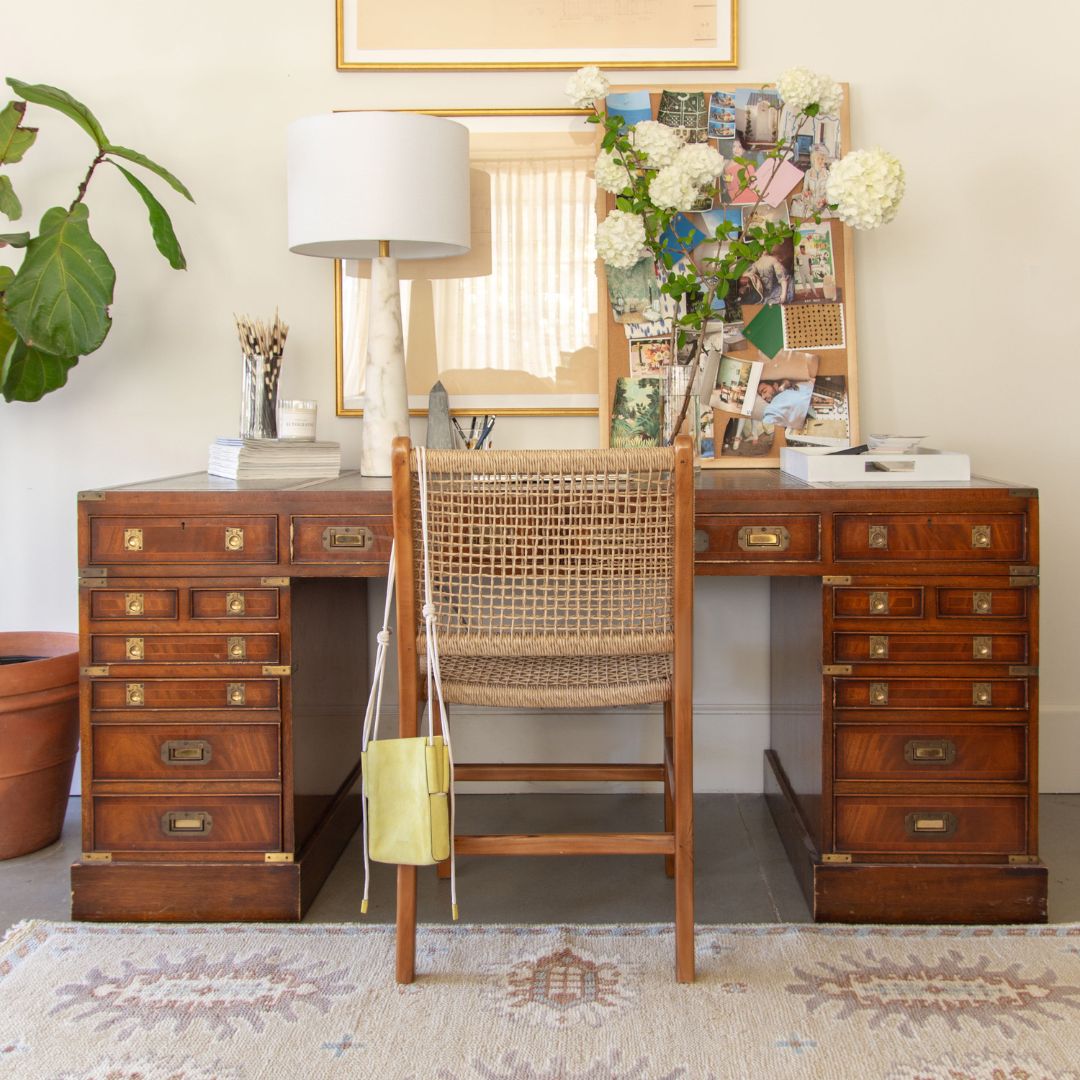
778	364
433	35
511	327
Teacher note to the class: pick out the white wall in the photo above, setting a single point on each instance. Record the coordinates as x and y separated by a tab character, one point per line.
963	301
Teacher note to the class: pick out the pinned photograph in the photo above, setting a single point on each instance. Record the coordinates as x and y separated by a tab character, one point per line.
686	112
631	105
783	402
770	279
814	326
736	386
650	356
722	115
680	237
757	118
634	293
745	437
635	413
828	420
815	271
811	199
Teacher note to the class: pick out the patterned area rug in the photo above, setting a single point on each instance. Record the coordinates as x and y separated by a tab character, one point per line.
237	1002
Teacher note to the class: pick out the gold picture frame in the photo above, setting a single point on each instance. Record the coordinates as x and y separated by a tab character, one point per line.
432	35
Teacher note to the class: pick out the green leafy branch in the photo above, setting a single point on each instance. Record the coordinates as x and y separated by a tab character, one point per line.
55	308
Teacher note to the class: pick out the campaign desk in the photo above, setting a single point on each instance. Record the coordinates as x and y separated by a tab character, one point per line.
223	631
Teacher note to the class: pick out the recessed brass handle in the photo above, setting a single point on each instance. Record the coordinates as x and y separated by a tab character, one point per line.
982	648
236	693
234	539
930	751
930	823
980	536
357	537
236	647
235	604
135	648
133	540
982	603
879	647
186	751
879	693
134	603
135	693
879	603
878	537
762	537
187	823
981	694
701	541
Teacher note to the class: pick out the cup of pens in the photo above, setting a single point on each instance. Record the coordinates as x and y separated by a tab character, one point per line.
476	434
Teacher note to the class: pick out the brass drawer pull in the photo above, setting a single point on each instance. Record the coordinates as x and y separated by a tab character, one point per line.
761	537
357	537
187	823
982	603
879	603
982	648
980	536
879	647
135	649
981	694
134	693
186	751
878	537
879	693
134	603
701	541
930	751
930	823
133	540
236	647
234	539
236	693
235	604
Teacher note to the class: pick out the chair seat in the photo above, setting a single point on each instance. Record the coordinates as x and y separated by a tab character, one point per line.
556	682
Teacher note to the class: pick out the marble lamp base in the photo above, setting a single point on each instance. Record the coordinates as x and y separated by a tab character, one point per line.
386	398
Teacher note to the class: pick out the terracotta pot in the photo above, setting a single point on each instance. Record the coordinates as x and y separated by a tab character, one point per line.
39	737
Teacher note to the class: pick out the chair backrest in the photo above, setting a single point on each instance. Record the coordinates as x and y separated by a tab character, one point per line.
548	552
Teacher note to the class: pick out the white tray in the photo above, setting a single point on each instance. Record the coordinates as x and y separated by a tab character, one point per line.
820	464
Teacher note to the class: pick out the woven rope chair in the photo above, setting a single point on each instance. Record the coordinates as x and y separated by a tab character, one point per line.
560	579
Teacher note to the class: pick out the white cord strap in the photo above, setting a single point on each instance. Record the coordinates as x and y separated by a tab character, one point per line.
434	675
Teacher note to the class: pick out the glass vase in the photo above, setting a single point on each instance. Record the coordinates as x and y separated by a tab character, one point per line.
258	400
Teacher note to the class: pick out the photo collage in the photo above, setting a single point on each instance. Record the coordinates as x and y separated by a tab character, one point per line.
775	366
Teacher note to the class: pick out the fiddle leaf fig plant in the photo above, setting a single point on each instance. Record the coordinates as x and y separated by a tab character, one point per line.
54	309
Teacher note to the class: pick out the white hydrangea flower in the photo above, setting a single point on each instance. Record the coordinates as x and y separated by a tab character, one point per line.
673	188
656	141
866	186
620	239
800	87
610	172
586	86
700	162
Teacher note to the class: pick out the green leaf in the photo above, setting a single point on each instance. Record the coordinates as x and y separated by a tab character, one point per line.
10	206
146	163
160	225
15	140
50	96
15	239
8	338
29	374
7	275
60	297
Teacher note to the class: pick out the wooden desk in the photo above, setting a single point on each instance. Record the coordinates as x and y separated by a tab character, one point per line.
224	660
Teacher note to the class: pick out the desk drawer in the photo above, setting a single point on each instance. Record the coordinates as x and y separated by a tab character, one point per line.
932	752
893	648
136	540
186	752
239	603
931	824
133	603
884	602
931	538
930	693
762	538
187	823
140	695
185	648
348	540
984	603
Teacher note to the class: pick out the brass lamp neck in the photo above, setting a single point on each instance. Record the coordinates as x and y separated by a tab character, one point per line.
384	249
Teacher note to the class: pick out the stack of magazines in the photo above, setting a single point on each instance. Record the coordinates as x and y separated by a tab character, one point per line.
274	459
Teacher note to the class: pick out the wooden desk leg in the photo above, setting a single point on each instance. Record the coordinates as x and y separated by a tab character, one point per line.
406	924
669	806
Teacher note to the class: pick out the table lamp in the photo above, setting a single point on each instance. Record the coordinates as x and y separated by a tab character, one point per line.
379	186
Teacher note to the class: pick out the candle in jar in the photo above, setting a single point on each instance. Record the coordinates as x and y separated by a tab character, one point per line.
296	419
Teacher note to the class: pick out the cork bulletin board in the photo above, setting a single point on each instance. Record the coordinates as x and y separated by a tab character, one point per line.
780	359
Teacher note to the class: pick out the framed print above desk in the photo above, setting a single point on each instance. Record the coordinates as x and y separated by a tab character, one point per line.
433	35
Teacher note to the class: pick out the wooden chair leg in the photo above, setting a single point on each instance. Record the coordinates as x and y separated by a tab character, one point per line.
406	924
684	840
669	809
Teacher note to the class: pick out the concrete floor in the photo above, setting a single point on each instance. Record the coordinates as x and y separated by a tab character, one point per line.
742	874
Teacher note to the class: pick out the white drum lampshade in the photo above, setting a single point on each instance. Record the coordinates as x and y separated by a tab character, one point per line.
379	186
